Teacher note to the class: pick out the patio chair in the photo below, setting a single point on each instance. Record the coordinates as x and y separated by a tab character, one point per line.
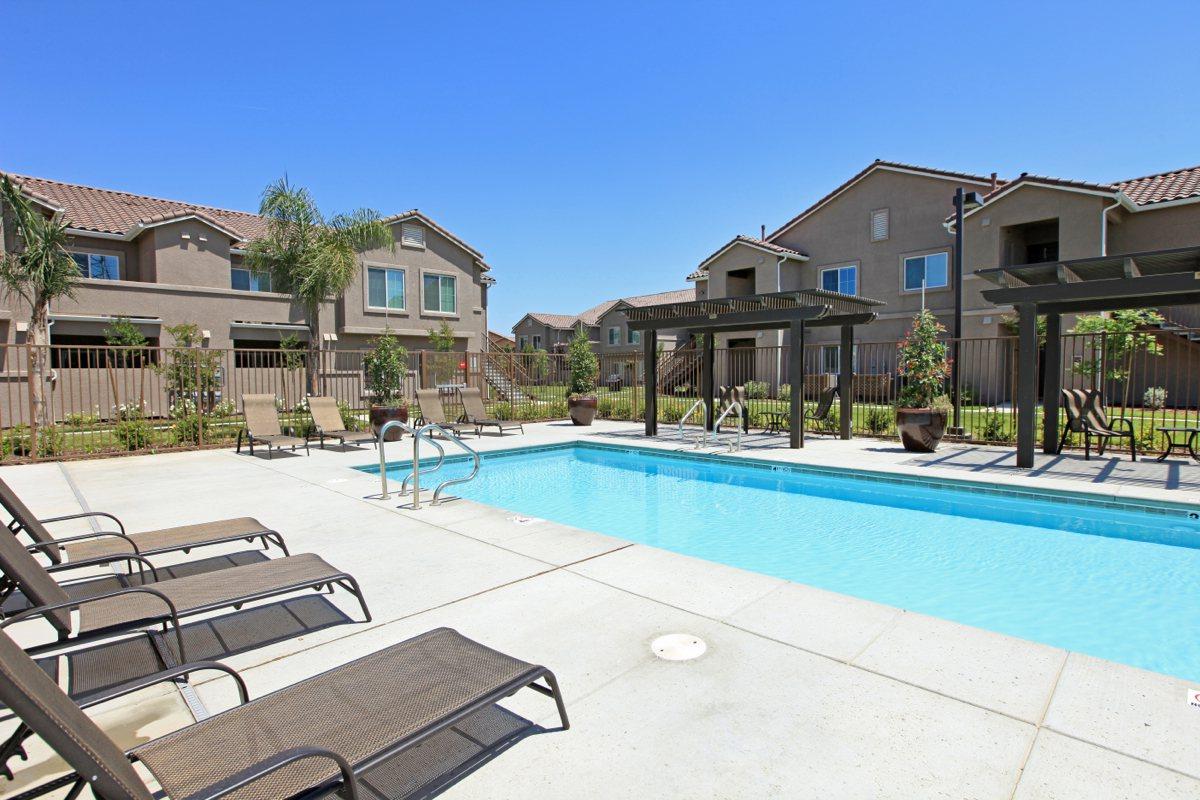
327	419
110	613
1085	414
727	396
430	401
262	426
824	403
101	544
334	732
475	414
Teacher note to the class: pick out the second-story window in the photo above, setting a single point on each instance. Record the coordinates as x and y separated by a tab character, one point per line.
249	280
634	337
840	279
98	266
614	336
521	342
385	288
932	270
439	293
537	342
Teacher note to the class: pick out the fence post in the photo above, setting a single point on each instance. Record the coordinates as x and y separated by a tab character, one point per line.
199	402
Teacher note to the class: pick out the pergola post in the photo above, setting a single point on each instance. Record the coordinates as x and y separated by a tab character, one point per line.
707	362
846	382
650	343
796	378
1052	382
1026	383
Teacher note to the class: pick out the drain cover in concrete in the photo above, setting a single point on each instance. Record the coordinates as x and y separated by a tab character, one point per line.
678	647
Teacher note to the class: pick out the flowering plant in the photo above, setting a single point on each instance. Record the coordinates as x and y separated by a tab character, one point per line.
923	363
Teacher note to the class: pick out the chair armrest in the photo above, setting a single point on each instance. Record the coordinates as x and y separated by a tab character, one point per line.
164	676
84	515
81	537
275	763
143	562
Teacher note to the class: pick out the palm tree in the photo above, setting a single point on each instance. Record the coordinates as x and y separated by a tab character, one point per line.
40	269
312	258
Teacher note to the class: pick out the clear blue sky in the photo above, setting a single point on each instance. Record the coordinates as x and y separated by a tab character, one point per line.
587	149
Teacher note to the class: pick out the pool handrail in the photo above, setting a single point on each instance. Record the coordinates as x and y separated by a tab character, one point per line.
416	476
736	444
698	404
437	492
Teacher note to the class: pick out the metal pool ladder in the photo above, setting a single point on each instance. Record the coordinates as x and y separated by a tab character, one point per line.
735	443
418	435
703	437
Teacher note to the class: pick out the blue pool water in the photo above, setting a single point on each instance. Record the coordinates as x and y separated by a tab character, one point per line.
1117	581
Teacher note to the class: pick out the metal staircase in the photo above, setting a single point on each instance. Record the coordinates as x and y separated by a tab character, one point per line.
680	366
501	381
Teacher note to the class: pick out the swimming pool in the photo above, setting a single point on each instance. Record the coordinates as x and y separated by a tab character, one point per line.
1116	580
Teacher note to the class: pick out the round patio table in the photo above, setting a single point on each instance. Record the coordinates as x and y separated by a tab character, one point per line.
1174	433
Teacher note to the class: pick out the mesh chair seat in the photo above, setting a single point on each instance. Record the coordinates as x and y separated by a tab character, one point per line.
166	540
194	593
359	710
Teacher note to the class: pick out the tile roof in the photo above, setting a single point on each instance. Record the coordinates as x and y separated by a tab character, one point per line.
553	320
1163	187
702	272
593	314
110	211
673	296
499	339
591	317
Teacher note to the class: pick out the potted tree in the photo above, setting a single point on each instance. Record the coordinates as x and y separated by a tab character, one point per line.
922	405
386	367
581	393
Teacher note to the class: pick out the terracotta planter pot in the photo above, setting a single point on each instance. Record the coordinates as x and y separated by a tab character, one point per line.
583	409
384	414
921	429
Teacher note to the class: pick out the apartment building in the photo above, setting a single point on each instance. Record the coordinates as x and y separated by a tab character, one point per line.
605	325
164	262
885	234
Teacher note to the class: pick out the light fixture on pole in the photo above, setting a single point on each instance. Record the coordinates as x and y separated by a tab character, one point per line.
963	202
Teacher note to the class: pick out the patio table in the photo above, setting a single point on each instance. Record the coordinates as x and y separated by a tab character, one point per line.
776	421
1174	433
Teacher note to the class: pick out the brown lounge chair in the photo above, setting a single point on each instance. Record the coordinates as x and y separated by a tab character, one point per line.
262	426
328	733
100	544
475	414
824	403
1085	414
432	411
327	419
110	613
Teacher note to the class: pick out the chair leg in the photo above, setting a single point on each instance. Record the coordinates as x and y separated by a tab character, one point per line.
1132	449
1062	441
1087	446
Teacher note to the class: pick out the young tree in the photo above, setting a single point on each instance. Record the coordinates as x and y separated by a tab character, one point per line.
126	348
39	270
582	364
445	364
311	257
1116	339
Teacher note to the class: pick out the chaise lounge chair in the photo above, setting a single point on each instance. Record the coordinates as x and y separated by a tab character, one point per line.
330	733
328	421
824	403
102	544
475	414
430	401
1085	414
111	613
262	426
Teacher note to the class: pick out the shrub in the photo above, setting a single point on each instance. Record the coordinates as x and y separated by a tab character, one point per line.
503	411
995	428
386	367
756	390
621	410
187	429
682	388
878	420
18	441
923	363
128	411
133	433
785	391
1155	398
604	408
670	413
225	408
81	419
350	420
182	408
582	364
558	410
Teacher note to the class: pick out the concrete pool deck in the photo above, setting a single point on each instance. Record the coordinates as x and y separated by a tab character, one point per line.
802	692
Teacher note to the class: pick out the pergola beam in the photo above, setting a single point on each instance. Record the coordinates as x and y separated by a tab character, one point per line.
1111	290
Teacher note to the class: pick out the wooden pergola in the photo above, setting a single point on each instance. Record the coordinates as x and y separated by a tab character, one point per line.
1086	285
791	311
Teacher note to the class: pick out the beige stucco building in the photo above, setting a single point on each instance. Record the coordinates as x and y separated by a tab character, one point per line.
604	324
165	262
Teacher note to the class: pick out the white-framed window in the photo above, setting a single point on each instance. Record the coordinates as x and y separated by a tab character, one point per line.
439	293
385	288
633	337
99	266
880	224
412	235
933	269
537	342
249	280
614	336
840	279
831	358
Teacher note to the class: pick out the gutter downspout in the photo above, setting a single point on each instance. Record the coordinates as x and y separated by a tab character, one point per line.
1104	227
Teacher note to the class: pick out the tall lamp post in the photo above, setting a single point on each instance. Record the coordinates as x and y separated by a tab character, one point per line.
963	202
